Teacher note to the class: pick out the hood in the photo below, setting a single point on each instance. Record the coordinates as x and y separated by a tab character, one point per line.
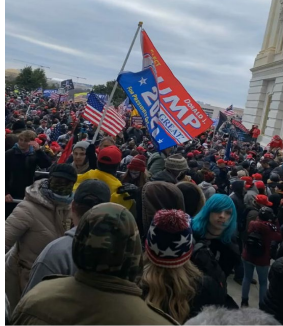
238	187
164	176
158	195
107	241
34	195
193	196
71	233
204	185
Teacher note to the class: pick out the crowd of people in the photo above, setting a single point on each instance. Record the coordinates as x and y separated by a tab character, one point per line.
121	233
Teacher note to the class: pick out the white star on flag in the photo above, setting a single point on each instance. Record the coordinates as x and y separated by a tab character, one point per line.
169	252
160	141
182	241
142	81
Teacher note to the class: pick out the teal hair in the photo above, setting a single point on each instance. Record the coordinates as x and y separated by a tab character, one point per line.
216	203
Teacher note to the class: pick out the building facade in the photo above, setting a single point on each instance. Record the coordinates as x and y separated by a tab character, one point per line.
213	111
264	106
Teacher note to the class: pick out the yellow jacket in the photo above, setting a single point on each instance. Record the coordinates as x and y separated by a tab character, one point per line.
112	182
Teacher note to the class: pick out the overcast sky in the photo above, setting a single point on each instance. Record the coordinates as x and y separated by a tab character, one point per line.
210	45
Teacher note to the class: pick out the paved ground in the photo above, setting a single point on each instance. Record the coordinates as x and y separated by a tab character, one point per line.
235	291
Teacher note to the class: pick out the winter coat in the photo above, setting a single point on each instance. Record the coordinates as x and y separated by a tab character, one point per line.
195	175
266	174
207	189
238	199
269	233
87	299
250	196
273	303
34	223
20	168
112	182
279	170
156	162
164	176
55	259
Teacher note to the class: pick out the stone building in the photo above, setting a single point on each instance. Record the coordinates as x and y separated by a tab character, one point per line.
264	105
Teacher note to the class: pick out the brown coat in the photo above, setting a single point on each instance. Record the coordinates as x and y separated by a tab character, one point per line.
87	299
34	223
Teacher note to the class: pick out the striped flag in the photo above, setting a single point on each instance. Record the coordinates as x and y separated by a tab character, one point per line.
55	97
229	111
124	106
113	122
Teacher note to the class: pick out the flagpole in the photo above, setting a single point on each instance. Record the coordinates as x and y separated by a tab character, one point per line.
115	85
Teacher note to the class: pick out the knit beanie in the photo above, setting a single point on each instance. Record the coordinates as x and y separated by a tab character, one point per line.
137	164
169	240
81	144
176	162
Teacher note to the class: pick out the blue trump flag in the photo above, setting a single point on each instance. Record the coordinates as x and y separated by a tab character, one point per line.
142	90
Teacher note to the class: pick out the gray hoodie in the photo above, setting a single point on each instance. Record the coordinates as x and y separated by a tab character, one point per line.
55	258
207	189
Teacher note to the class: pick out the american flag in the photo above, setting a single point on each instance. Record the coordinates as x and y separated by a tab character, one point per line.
229	111
112	124
37	92
56	132
124	106
55	97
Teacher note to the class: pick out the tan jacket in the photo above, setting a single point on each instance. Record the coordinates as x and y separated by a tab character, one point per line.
87	299
34	223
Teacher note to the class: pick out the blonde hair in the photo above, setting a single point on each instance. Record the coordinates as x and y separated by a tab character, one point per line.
171	289
27	135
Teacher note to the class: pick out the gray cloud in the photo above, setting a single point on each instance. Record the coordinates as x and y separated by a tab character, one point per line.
210	45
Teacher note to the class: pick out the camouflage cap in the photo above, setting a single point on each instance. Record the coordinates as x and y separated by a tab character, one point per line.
107	241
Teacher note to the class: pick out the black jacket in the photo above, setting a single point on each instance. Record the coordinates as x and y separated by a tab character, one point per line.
19	170
266	174
238	199
273	303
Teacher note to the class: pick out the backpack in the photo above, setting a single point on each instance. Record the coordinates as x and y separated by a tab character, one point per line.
242	222
206	262
254	244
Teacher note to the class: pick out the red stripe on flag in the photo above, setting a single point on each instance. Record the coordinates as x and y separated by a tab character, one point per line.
67	151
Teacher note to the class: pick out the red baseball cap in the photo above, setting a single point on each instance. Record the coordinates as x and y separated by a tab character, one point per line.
248	180
8	131
190	155
252	153
221	161
249	156
42	136
140	149
110	155
268	155
38	141
257	176
231	163
260	185
263	200
196	152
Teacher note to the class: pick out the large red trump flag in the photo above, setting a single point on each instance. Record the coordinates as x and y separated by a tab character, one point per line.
177	108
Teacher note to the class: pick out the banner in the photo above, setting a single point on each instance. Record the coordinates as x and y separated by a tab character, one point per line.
142	90
48	92
175	101
80	97
68	83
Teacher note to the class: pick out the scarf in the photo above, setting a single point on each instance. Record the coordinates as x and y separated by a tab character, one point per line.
49	195
81	169
19	151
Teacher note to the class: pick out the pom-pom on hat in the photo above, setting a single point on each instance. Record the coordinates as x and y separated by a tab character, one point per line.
169	242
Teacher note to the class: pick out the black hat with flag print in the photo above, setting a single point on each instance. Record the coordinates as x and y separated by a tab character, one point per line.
169	240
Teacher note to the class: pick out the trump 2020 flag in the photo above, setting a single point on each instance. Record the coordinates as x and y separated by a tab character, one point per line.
142	90
175	102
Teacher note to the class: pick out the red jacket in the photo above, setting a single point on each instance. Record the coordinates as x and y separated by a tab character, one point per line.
256	133
270	232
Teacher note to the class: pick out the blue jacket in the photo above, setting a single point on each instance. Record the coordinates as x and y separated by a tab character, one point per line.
56	258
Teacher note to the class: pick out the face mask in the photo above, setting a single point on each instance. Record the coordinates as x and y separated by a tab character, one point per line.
134	174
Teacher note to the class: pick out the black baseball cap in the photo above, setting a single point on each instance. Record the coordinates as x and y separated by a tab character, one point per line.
92	192
65	171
